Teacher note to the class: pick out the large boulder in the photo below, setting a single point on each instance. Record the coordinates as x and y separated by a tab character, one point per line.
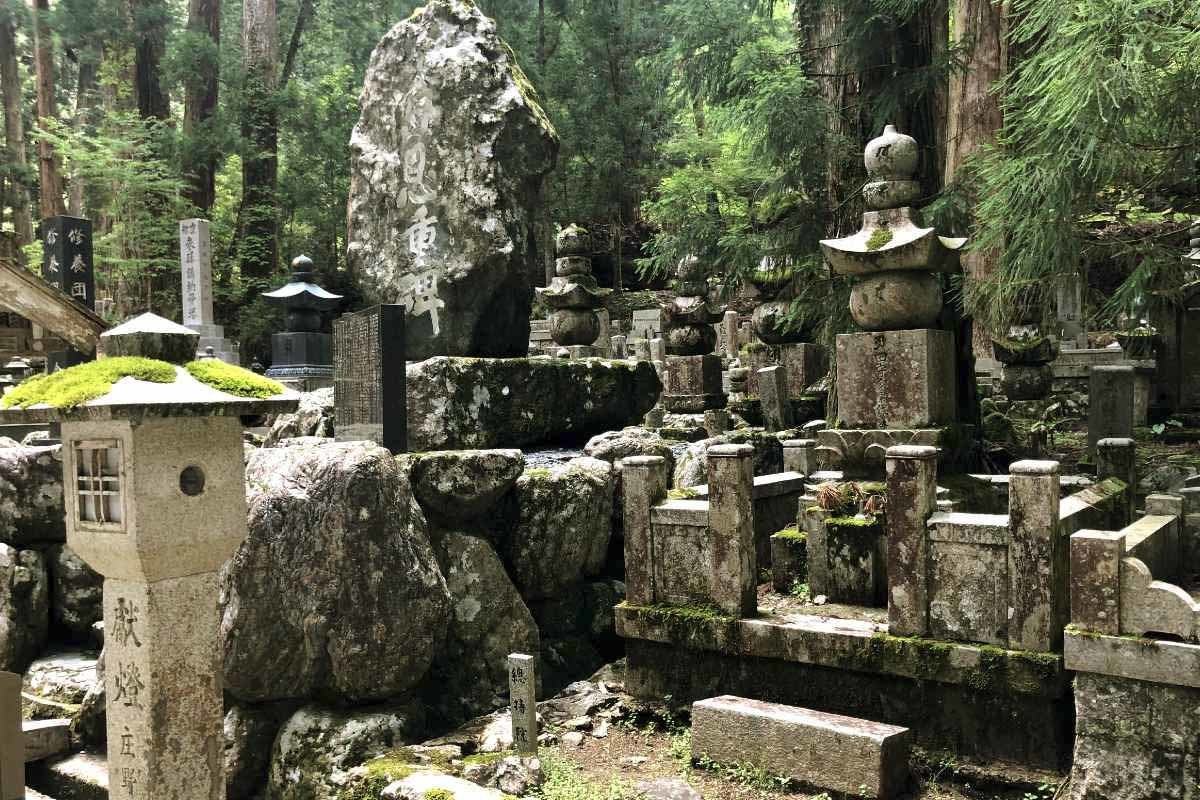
317	748
563	527
76	593
24	607
464	403
459	485
313	417
447	167
249	733
31	495
490	621
613	446
336	589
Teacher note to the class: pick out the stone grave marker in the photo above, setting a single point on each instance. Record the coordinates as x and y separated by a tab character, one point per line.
67	258
522	687
647	324
1110	404
772	388
195	257
369	377
12	741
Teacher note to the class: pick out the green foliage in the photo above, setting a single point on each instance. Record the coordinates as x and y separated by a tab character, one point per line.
439	794
801	591
232	380
75	386
564	781
1103	99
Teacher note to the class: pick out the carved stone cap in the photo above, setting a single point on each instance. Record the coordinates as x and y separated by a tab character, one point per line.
918	452
1115	441
1031	467
800	443
642	461
730	451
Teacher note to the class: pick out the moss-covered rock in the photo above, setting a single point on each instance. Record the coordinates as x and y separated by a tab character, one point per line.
472	403
75	386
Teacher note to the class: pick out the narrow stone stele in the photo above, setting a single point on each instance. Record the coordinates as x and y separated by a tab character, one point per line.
522	687
826	751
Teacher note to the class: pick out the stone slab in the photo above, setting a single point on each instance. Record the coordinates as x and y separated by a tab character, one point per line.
1152	660
46	738
82	776
814	748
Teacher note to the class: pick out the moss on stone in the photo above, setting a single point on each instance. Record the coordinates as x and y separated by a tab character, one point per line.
791	532
538	473
683	493
232	380
880	237
439	794
487	759
852	522
75	386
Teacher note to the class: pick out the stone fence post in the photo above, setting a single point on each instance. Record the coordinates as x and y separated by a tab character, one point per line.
734	578
1169	505
1191	528
1037	559
1117	458
1096	581
644	485
12	740
911	500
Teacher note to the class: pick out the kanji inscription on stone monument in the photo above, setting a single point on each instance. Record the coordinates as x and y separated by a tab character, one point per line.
522	687
369	377
67	258
195	256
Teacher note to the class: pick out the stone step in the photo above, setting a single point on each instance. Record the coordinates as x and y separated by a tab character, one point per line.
816	749
81	776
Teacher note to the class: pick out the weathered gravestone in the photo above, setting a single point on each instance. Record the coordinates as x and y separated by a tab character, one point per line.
67	258
368	377
445	209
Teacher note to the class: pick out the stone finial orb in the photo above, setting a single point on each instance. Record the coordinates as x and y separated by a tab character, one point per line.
573	241
891	160
303	269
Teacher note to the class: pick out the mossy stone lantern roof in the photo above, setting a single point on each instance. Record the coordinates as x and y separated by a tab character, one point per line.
149	370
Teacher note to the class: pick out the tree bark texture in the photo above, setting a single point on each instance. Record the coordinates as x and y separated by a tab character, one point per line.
200	104
975	115
258	241
49	178
14	129
150	18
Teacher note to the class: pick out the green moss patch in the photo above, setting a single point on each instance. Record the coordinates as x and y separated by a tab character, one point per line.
232	380
879	238
439	794
685	493
77	385
791	532
851	522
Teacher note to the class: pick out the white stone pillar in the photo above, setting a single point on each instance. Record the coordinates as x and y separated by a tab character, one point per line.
12	741
522	689
195	253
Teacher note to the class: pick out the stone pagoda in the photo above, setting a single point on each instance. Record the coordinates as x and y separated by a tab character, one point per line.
573	295
155	501
896	381
302	356
693	371
781	342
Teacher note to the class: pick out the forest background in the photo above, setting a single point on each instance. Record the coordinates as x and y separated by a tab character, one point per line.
1060	135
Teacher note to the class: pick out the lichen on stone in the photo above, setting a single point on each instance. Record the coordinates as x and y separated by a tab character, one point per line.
77	385
879	238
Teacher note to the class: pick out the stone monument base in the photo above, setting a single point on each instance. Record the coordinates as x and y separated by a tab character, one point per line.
859	453
692	384
803	363
214	336
896	379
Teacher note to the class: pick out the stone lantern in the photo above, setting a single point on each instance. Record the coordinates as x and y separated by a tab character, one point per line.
18	368
302	356
693	371
155	502
573	295
900	374
1026	352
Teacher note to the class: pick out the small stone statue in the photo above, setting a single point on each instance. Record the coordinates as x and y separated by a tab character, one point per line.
573	294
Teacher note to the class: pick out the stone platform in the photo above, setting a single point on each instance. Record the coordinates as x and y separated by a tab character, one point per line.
983	703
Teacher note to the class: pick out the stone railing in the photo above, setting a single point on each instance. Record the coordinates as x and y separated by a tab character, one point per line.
1124	583
1000	579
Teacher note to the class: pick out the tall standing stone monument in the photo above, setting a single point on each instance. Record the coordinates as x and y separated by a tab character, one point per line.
155	501
369	377
446	206
900	373
67	264
195	257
